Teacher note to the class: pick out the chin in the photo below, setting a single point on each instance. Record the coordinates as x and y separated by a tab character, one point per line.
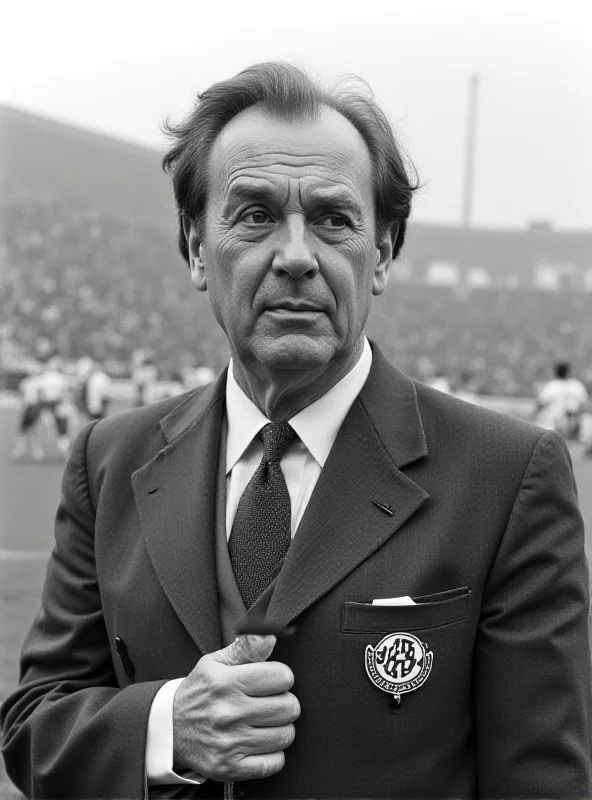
296	351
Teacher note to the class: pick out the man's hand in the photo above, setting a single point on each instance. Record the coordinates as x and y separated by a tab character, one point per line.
233	715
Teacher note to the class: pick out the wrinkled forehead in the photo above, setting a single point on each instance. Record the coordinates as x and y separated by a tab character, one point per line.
317	155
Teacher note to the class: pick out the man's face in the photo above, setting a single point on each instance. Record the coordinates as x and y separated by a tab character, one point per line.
288	255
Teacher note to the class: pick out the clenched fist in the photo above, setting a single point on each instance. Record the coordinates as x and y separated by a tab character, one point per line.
233	715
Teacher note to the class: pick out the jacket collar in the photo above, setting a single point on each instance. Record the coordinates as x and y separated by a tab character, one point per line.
389	398
193	409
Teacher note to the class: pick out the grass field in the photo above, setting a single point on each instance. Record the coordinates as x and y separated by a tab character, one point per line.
29	494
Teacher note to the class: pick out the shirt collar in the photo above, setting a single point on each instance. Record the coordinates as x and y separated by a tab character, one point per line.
317	425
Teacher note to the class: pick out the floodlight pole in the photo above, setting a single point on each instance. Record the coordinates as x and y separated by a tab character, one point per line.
469	166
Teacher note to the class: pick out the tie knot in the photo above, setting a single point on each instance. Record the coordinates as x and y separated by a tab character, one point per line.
277	437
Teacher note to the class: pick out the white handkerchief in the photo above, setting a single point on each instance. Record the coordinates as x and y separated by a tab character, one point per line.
394	601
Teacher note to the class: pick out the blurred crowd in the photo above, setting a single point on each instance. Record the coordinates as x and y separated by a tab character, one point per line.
99	287
494	341
103	288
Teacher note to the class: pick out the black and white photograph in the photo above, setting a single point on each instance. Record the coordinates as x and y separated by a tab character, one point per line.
296	400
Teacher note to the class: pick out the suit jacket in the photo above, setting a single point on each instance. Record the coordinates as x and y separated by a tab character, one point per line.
421	495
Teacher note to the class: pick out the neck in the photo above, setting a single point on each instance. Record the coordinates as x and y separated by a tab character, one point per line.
280	394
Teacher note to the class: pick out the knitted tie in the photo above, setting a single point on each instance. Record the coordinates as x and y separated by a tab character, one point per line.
261	531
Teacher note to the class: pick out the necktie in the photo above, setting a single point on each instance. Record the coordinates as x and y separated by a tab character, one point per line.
261	531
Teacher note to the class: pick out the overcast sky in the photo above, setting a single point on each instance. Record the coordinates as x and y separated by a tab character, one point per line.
120	66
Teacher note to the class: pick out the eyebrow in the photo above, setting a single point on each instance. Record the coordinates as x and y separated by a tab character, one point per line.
265	191
336	198
259	191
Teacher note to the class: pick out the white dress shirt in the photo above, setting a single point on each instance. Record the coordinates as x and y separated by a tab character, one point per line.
316	427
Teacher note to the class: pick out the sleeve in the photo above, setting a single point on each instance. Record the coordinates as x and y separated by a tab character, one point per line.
159	743
533	679
69	730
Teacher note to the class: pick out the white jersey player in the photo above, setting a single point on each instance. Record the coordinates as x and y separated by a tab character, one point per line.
94	389
561	401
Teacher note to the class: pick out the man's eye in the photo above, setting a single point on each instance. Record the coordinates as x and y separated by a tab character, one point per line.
334	221
256	217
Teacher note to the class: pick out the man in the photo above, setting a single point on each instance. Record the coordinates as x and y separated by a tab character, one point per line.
47	391
94	389
585	432
436	378
561	401
466	388
26	443
425	555
144	376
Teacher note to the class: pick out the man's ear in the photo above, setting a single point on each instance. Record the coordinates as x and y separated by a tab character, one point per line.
384	259
196	260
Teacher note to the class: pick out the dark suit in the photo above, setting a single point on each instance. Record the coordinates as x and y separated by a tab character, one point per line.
478	500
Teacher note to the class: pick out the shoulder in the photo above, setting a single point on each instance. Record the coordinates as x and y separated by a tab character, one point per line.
548	388
578	385
137	430
486	447
450	421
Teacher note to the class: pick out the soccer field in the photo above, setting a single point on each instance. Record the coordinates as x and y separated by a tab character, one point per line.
29	495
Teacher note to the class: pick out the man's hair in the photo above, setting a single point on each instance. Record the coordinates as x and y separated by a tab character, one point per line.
286	92
562	369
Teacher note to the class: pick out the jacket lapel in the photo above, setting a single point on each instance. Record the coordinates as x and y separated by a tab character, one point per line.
175	496
342	526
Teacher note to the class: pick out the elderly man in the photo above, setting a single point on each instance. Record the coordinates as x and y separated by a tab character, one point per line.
425	555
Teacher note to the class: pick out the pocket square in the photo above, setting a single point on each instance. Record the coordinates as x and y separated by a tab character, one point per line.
394	601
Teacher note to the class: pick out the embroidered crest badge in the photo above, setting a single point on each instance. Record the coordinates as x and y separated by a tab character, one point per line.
399	663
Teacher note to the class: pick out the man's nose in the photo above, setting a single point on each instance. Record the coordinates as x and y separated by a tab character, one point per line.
294	255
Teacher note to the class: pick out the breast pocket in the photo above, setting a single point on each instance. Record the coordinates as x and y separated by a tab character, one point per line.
429	611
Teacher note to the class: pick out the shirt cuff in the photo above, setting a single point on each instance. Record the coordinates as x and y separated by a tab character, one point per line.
159	741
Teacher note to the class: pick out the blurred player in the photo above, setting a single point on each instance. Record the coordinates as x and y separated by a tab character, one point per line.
193	377
25	443
47	392
465	389
94	390
440	382
433	376
144	377
585	433
561	402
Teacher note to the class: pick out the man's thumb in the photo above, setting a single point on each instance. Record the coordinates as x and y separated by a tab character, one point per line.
246	649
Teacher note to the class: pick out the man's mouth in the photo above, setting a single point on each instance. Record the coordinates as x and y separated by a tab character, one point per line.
295	306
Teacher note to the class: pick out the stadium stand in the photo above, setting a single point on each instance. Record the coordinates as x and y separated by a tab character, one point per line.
99	286
105	286
506	339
